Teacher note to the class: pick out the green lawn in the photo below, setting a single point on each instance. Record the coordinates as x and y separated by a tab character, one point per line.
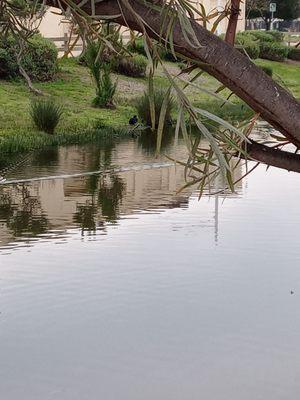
74	89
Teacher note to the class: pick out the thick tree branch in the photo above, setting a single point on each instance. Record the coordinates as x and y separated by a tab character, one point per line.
274	157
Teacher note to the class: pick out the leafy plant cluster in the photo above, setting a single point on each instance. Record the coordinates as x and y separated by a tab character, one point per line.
101	74
263	44
134	65
137	46
39	58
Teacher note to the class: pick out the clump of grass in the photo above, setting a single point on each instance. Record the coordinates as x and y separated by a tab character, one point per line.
143	107
23	141
45	114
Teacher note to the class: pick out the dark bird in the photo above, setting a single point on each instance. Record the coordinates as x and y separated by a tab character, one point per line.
133	120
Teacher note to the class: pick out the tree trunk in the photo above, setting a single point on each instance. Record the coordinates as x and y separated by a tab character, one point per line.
233	21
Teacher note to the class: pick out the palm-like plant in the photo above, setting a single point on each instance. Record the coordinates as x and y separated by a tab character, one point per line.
101	74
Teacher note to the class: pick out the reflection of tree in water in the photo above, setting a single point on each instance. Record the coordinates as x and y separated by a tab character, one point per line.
22	213
106	198
99	158
85	217
148	141
110	196
46	157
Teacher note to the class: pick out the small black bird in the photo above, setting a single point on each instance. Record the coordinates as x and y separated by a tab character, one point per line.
133	120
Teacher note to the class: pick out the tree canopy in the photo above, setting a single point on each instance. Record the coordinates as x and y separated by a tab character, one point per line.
286	9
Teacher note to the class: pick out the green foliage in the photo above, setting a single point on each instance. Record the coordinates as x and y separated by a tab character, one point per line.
135	65
273	51
294	54
101	73
45	114
247	43
278	36
39	59
263	44
261	36
182	65
286	9
267	70
27	141
143	107
137	46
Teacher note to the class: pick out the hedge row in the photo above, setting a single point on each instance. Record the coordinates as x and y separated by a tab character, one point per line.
267	45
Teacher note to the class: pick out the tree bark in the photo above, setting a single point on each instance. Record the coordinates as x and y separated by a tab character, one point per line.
274	157
233	21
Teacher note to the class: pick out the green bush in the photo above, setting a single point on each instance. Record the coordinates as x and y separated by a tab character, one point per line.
135	65
273	51
247	43
277	36
267	70
262	36
39	59
182	65
45	114
137	46
143	107
294	54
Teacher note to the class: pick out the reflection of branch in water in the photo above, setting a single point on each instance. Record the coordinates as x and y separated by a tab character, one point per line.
22	213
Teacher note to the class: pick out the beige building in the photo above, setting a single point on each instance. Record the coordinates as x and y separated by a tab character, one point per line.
211	6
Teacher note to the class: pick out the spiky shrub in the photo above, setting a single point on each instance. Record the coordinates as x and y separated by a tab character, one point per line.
135	65
101	74
143	107
45	114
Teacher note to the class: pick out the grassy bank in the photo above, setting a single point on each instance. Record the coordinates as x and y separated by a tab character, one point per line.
74	90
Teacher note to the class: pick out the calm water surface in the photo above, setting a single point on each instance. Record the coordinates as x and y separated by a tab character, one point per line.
114	286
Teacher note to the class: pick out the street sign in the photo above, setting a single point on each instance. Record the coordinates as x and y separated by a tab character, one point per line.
273	7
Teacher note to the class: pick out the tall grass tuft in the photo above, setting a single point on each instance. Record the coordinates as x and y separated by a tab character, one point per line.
45	114
143	107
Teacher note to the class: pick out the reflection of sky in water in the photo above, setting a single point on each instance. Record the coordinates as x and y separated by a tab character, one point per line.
152	304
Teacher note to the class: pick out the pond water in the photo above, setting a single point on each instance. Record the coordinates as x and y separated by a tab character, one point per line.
115	286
